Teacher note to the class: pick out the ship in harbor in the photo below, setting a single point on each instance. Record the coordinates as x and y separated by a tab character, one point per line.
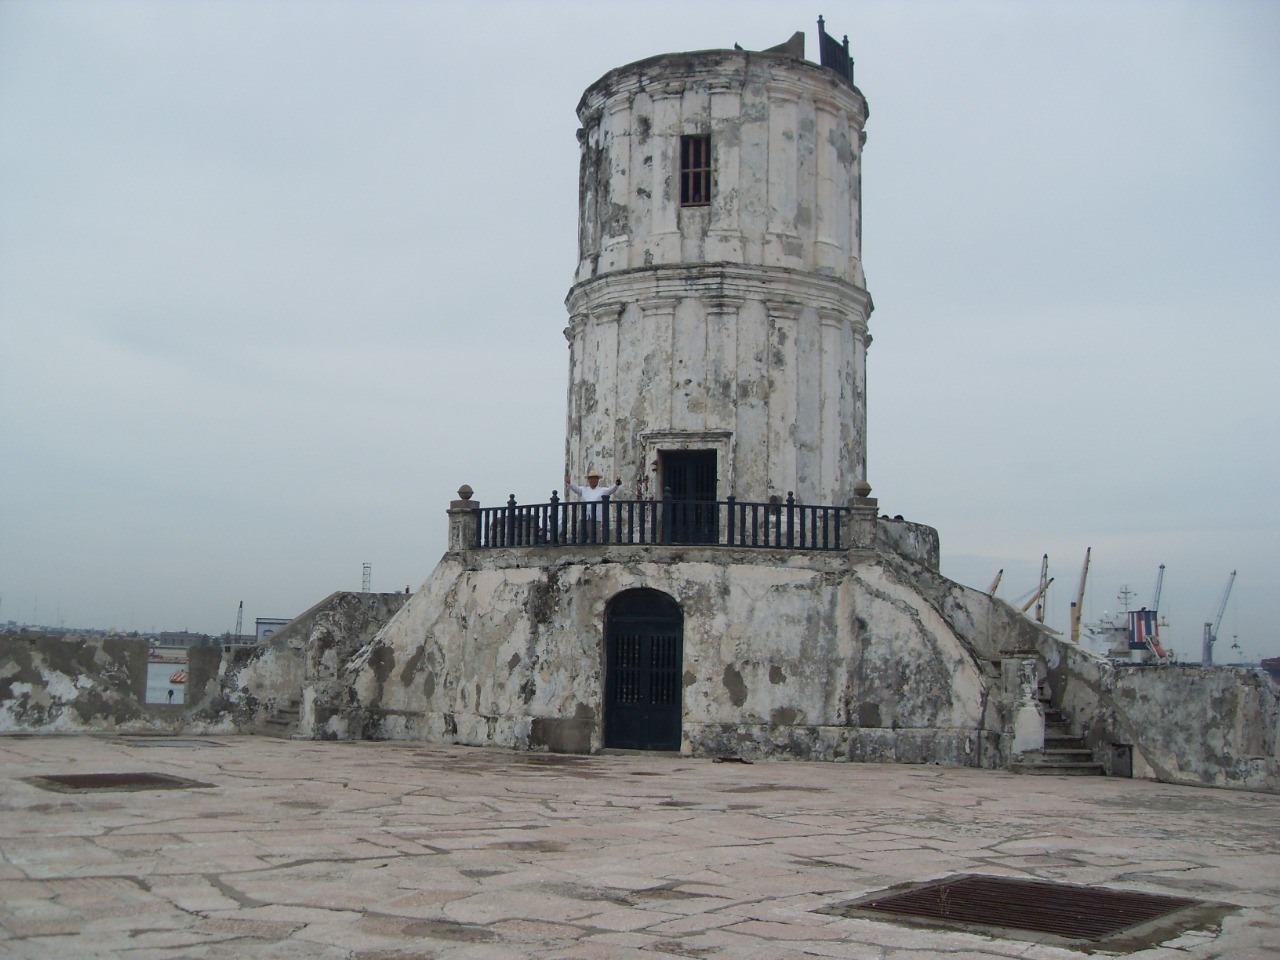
1130	636
1133	636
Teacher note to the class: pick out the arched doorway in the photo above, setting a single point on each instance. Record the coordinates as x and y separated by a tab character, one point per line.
644	661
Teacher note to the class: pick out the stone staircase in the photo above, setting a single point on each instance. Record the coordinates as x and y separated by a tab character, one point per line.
283	722
1064	755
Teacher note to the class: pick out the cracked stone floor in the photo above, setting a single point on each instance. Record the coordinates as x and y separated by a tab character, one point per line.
377	851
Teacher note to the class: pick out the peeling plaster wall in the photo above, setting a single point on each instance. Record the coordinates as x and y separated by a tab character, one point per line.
60	685
739	327
912	541
1209	726
800	656
55	685
299	663
786	140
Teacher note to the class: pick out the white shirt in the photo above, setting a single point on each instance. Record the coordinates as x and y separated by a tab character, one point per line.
593	495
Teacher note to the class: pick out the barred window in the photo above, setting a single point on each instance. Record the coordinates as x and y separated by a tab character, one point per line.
695	171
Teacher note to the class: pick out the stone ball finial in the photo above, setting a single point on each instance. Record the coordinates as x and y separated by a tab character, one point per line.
465	492
862	488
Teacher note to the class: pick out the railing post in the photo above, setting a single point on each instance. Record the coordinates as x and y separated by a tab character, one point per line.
729	502
511	521
604	519
553	534
464	514
791	519
860	519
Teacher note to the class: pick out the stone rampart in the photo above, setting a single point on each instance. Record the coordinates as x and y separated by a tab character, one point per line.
54	684
1180	723
788	655
297	666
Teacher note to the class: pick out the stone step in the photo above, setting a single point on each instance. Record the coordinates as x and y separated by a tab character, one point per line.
1064	754
1068	755
1064	743
1041	767
284	722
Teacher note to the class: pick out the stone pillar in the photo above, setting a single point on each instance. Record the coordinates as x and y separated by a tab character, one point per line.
1026	718
859	531
785	468
722	367
464	515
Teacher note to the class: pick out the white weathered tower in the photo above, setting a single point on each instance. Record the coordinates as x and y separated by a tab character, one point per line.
719	332
718	327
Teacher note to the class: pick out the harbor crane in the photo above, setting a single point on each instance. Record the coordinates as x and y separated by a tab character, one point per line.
1040	590
1211	629
1078	602
1155	597
991	590
1045	581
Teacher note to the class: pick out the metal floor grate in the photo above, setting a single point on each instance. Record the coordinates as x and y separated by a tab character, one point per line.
1001	904
85	782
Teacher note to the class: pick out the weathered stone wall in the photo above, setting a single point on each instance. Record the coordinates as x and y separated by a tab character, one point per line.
805	656
54	684
738	327
1211	726
296	667
914	542
786	152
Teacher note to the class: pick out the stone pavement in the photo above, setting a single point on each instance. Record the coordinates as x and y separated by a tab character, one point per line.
391	850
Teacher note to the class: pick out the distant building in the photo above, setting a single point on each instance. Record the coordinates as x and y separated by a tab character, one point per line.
268	625
184	639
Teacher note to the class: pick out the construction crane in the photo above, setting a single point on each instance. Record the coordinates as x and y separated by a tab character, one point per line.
1155	598
1211	629
1079	600
235	637
1045	580
1036	596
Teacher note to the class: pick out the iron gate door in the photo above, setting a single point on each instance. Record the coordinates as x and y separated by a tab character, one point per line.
690	479
644	663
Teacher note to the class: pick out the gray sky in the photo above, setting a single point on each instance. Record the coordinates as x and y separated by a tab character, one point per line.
276	278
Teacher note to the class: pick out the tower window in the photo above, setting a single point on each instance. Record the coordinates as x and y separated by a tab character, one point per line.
695	171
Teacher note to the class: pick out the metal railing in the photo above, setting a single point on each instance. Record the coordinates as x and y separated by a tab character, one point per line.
779	524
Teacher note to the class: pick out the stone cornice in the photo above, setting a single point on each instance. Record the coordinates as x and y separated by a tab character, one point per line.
782	73
707	282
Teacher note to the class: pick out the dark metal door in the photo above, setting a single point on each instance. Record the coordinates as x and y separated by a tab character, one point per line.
644	663
690	480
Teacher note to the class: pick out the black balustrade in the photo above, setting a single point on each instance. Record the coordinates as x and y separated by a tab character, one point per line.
778	524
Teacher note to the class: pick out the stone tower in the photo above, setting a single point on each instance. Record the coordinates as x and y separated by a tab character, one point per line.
718	319
717	348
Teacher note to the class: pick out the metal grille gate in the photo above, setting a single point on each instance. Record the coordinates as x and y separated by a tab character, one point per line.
644	641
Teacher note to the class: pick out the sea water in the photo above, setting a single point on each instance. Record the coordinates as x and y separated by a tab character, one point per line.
158	685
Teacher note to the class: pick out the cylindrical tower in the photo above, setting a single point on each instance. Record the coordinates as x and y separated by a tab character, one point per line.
718	319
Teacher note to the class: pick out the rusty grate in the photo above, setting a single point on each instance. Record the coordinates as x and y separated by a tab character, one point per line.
85	782
1066	911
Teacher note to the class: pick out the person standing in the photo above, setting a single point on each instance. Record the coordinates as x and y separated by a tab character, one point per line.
591	495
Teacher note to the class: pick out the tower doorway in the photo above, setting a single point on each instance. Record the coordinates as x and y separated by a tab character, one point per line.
689	479
644	662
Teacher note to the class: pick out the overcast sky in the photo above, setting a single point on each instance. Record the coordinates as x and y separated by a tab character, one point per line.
277	278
